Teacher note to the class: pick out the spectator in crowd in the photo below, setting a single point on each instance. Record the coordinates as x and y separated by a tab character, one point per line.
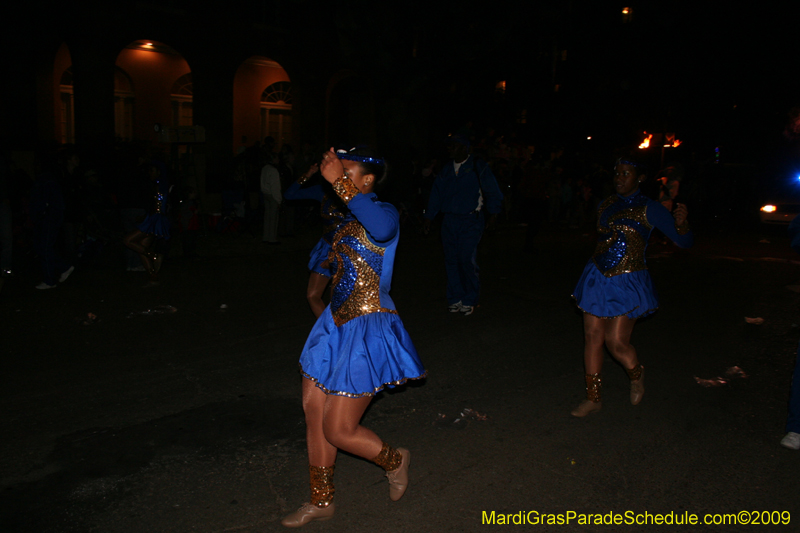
271	192
466	192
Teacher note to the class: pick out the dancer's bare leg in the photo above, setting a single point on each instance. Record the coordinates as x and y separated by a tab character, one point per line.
320	451
321	462
618	339
343	429
141	243
594	334
316	287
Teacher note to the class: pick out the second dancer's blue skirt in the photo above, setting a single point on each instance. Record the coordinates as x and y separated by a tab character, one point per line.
319	254
360	357
156	224
631	294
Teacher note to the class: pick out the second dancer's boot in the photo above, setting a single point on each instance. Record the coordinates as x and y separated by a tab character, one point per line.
637	383
592	403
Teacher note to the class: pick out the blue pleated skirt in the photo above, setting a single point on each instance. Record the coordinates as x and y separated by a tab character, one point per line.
631	295
319	254
361	357
156	224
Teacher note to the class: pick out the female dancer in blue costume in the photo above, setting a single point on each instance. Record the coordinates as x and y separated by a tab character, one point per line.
358	345
333	213
615	289
155	226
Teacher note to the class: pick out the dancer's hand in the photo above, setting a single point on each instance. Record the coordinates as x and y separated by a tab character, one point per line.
680	213
331	168
313	169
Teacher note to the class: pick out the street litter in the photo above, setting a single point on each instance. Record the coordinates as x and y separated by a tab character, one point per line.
157	310
223	307
472	414
459	422
731	373
90	319
714	382
765	241
735	372
757	321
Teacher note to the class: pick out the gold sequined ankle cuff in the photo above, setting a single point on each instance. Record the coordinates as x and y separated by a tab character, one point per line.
635	373
389	459
321	485
594	383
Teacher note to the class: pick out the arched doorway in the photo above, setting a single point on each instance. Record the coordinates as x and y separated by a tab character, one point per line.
123	105
262	104
181	99
158	82
63	115
67	101
276	113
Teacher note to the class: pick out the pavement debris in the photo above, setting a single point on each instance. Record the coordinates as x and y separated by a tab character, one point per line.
157	310
459	422
731	373
757	321
713	382
735	372
90	319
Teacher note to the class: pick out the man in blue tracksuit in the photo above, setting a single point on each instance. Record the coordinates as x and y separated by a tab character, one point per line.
792	438
464	192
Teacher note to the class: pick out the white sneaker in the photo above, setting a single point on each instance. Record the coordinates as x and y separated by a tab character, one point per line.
455	308
43	286
66	274
791	441
467	310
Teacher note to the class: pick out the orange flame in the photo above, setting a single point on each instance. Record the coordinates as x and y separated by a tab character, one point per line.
646	141
676	143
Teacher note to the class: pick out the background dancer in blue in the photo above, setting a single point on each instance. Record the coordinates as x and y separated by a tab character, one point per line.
155	226
358	345
792	438
464	192
332	212
615	289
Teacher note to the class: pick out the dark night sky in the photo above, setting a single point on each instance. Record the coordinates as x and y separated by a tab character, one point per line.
679	66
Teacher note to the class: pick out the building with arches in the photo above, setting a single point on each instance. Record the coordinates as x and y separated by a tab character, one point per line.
146	74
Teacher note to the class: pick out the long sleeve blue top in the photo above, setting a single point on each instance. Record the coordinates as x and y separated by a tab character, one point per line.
297	192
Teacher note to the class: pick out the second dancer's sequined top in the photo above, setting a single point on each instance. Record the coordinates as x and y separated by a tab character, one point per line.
331	209
333	214
624	224
363	249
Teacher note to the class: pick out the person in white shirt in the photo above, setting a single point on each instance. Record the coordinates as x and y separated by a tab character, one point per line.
271	191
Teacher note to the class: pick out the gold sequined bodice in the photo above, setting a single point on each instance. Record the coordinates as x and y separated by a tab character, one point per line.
622	233
356	284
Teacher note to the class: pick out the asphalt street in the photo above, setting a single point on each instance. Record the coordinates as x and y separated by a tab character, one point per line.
188	418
